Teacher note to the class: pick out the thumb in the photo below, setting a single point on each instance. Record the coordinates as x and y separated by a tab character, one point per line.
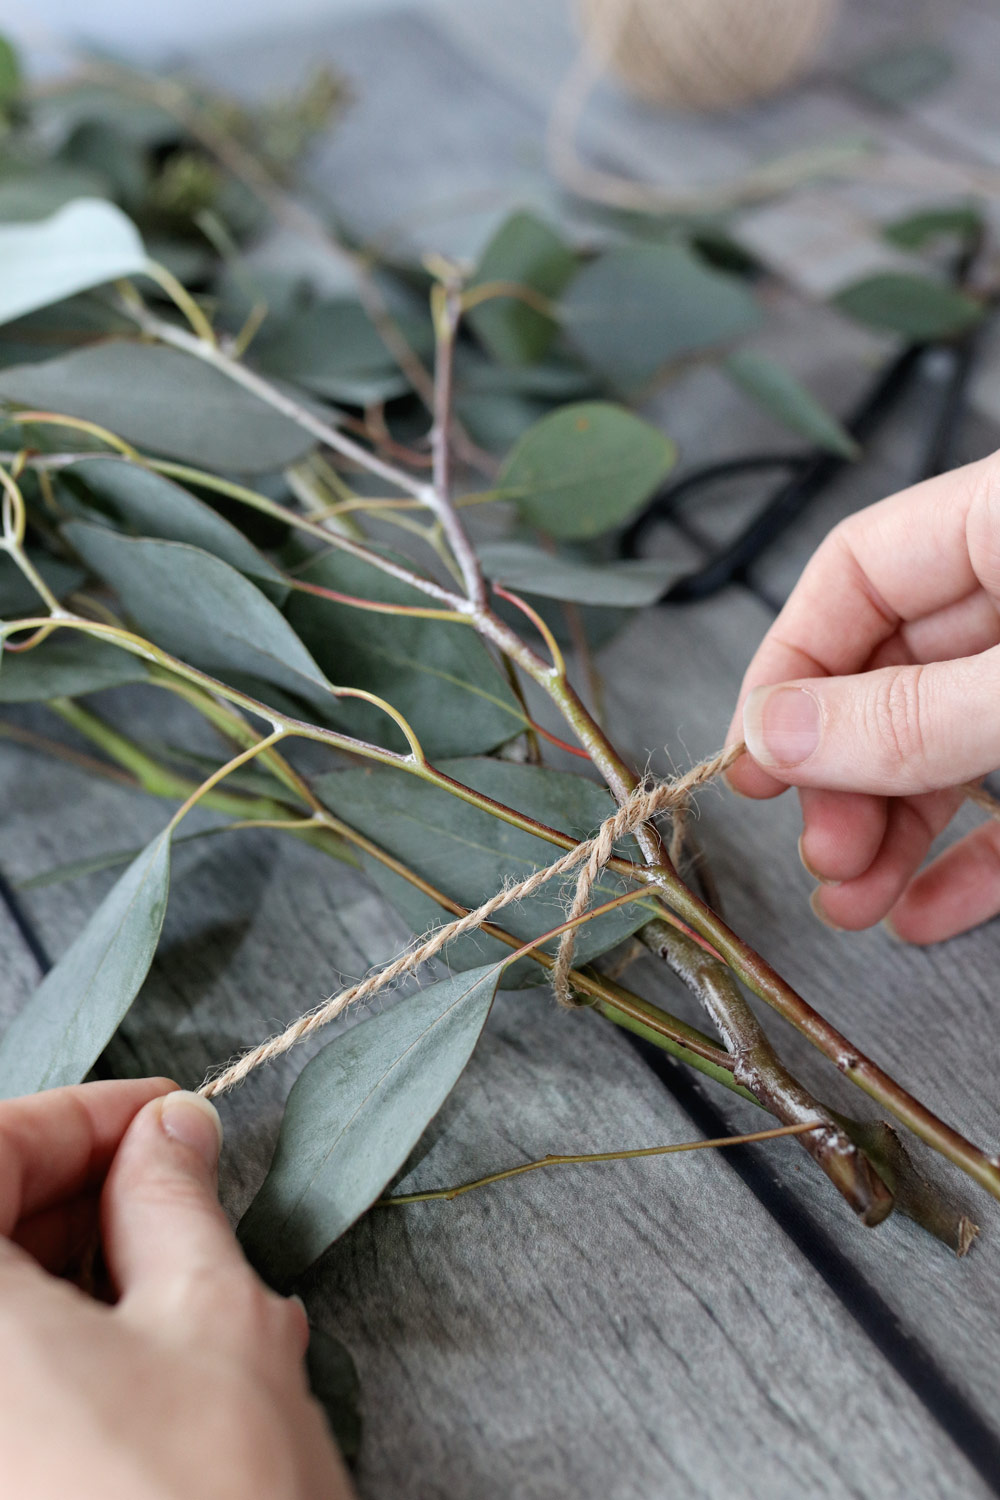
895	731
163	1228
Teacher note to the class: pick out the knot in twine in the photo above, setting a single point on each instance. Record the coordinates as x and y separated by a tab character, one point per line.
592	856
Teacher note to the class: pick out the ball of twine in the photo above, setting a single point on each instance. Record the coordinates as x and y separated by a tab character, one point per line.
705	54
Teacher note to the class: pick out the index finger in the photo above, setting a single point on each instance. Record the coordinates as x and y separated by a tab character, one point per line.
897	561
58	1144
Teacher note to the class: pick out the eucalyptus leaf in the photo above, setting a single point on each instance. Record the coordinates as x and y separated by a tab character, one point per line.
435	672
782	394
622	585
523	252
11	80
164	401
915	231
334	349
635	309
83	244
915	306
19	597
585	468
467	853
51	331
154	506
65	1026
64	666
200	609
36	193
354	1115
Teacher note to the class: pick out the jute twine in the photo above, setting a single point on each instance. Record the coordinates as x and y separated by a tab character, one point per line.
705	54
590	857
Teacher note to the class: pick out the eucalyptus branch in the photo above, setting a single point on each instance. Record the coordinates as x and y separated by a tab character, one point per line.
758	1067
235	370
446	304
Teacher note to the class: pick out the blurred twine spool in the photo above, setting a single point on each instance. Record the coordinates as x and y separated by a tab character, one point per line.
705	54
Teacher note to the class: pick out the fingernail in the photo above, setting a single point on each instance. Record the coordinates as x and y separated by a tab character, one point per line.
890	928
823	879
194	1122
781	725
818	911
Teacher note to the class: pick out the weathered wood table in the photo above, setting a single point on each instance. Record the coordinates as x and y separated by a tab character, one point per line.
710	1325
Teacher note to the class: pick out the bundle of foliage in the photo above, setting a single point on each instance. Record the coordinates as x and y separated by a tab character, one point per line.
262	501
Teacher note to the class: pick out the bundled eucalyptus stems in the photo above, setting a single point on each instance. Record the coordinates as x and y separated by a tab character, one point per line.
378	523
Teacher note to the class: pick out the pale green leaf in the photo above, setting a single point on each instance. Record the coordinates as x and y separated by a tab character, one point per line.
621	585
354	1115
634	310
523	252
11	80
164	401
585	468
912	305
65	1026
782	394
915	231
84	244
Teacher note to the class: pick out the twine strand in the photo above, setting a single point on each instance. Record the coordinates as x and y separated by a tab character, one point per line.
592	854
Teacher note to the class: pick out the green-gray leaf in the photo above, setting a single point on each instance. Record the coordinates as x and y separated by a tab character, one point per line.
354	1115
585	468
622	585
782	394
65	666
153	506
164	401
84	244
912	305
335	350
914	231
438	674
467	853
333	1379
61	1032
200	609
635	309
523	252
10	74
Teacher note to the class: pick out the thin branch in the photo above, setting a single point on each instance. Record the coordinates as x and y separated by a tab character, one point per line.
447	1194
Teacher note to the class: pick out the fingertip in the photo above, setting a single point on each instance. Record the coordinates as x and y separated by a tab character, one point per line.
193	1121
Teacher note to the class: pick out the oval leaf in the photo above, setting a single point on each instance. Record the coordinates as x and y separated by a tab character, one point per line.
165	402
61	1032
633	310
83	245
585	469
200	609
915	306
65	666
782	394
438	674
523	252
619	585
468	854
354	1115
153	506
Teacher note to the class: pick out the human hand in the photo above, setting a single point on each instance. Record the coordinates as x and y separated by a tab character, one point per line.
192	1384
887	653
